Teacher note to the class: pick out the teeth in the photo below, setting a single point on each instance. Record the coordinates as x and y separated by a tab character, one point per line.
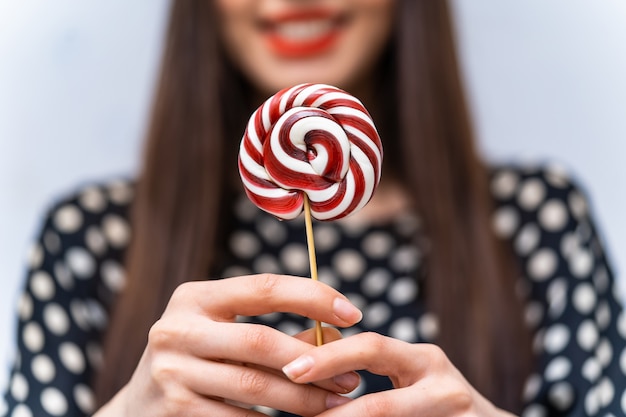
304	30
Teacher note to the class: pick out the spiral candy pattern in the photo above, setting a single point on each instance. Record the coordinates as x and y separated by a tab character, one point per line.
314	139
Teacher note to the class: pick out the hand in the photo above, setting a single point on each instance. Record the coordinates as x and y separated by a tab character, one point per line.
426	382
199	361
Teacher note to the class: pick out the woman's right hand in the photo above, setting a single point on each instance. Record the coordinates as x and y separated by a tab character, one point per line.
199	361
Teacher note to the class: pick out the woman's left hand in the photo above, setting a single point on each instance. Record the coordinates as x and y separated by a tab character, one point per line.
426	382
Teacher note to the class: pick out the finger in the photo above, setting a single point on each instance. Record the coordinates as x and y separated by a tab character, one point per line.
261	346
253	295
405	363
397	403
252	386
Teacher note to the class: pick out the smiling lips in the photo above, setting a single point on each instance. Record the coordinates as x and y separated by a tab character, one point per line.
302	34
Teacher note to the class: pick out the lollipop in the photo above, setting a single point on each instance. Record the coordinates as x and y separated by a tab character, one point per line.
311	148
312	141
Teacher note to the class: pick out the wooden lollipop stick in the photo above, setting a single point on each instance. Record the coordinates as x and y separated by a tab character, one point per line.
319	339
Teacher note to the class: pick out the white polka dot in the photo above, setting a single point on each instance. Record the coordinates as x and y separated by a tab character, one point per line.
290	328
404	329
52	242
19	387
95	240
79	314
428	327
577	204
116	230
621	324
504	184
587	335
327	276
113	275
244	244
72	358
532	387
35	256
623	402
505	221
358	300
601	280
295	258
553	215
80	262
622	361
557	297
25	307
33	338
528	239
604	353
591	370
68	219
42	286
556	338
56	319
531	194
349	264
402	291
561	396
245	209
53	401
326	237
557	176
584	298
4	407
592	402
533	313
377	314
542	264
236	271
96	315
274	232
558	369
268	263
606	391
404	259
603	315
570	243
377	245
22	410
580	263
95	355
375	282
63	275
92	199
120	192
84	398
43	368
535	410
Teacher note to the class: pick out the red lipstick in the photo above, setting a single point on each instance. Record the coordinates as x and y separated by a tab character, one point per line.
303	34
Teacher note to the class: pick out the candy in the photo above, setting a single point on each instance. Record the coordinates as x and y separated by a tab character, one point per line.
314	139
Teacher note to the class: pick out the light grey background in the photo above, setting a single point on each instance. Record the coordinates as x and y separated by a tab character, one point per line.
546	82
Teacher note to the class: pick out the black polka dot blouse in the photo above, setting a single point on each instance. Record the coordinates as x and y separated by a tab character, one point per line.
579	328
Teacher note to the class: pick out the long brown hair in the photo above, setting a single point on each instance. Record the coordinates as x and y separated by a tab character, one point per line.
199	112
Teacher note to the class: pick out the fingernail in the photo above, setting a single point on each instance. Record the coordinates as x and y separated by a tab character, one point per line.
334	400
299	367
346	311
348	381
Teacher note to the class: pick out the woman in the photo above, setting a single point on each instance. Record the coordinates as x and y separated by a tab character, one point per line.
421	261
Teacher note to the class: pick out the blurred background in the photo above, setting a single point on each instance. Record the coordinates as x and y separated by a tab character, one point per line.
546	83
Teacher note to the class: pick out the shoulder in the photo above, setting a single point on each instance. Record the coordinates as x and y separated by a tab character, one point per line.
85	234
546	195
105	205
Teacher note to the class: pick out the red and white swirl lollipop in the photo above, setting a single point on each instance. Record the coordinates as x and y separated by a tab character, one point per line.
311	139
